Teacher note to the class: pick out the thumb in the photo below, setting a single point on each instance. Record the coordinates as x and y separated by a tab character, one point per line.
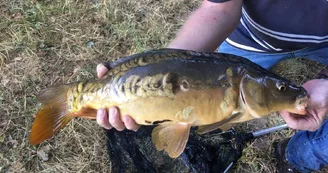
318	100
316	105
297	122
291	121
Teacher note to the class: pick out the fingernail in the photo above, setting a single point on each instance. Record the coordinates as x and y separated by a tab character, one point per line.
136	129
110	127
98	70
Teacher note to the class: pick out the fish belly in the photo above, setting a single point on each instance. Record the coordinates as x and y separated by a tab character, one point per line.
199	107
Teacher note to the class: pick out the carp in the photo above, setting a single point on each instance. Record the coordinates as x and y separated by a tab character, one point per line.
174	90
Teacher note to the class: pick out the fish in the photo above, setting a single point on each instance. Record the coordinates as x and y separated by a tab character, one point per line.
173	90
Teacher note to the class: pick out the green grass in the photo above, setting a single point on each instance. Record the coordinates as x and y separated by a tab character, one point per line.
49	42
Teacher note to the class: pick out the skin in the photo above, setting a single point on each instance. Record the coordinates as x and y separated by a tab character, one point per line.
203	31
111	118
317	108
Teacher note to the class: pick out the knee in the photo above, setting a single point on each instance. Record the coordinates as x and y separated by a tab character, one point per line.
308	151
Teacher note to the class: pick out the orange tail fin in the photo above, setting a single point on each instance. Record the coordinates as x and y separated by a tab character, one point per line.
53	115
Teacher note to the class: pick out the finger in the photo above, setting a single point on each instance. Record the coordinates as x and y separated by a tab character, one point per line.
130	123
291	121
298	111
306	122
102	119
101	70
316	101
317	119
115	120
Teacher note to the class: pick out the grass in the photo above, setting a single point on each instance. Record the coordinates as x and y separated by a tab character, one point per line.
48	42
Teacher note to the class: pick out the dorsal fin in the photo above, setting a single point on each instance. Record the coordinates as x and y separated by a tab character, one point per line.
157	55
126	59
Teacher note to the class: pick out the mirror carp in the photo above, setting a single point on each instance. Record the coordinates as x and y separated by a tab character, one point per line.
173	89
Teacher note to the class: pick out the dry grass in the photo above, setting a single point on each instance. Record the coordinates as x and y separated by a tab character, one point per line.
47	42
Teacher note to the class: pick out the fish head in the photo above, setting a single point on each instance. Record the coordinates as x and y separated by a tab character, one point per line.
263	93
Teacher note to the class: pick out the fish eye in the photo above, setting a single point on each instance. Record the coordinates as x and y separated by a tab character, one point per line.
282	86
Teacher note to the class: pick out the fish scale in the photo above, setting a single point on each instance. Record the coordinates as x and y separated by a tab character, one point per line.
174	90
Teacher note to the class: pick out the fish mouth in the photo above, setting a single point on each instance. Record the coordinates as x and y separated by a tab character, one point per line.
301	104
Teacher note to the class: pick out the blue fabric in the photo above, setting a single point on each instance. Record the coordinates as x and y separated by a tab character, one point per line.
306	151
267	60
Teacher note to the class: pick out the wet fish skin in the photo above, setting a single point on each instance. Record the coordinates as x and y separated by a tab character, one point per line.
174	89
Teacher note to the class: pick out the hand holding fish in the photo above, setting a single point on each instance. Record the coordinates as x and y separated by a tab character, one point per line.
317	107
112	119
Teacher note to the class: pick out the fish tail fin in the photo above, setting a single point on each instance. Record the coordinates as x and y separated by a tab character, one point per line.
53	116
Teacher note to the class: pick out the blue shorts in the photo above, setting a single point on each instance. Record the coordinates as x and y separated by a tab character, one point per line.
267	60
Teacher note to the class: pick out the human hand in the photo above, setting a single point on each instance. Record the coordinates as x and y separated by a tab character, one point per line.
113	119
317	108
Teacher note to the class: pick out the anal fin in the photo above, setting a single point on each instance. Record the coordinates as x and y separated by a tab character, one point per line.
221	124
171	137
86	112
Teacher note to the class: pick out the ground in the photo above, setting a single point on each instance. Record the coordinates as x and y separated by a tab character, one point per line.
43	43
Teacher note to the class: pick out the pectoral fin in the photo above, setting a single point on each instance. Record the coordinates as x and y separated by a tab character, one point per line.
172	137
246	117
217	125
